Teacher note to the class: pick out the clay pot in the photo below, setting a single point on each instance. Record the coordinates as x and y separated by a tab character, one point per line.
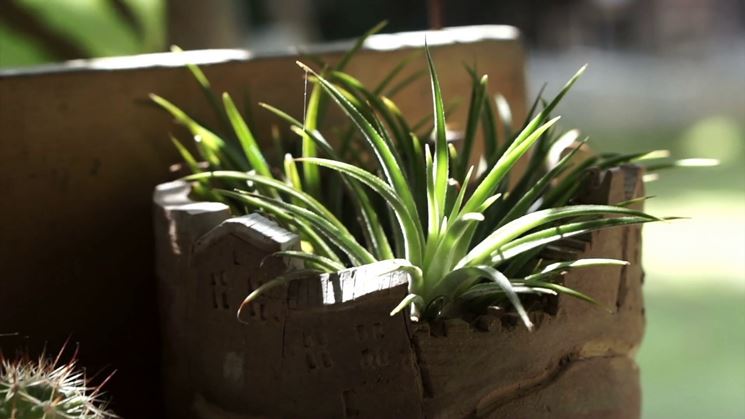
328	348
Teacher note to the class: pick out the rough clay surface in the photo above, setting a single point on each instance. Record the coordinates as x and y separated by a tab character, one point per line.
328	348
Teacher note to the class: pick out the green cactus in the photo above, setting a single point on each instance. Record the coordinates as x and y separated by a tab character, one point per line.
48	389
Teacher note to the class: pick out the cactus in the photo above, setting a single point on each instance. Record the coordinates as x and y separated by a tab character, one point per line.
48	389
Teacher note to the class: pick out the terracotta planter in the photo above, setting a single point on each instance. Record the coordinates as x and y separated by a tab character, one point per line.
328	348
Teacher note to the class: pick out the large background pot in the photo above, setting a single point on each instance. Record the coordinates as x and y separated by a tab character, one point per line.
83	148
328	348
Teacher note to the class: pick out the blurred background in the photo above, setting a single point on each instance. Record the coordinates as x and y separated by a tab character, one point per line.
663	74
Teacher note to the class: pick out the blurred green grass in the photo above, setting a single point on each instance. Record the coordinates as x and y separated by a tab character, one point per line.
692	359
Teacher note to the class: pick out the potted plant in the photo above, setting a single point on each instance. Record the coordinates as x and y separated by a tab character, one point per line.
394	285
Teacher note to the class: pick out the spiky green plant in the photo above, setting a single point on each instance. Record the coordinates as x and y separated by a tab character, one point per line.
467	239
48	389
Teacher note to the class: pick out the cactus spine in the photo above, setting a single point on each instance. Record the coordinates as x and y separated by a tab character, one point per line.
47	389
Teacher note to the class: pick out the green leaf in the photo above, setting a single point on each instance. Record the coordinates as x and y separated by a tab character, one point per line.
188	158
206	88
492	180
342	64
406	82
478	92
213	149
441	162
505	115
454	283
195	70
291	172
276	282
301	130
303	199
407	301
201	189
630	203
432	219
393	174
311	175
448	248
413	155
561	289
450	107
568	140
329	265
340	237
489	130
374	232
526	200
535	126
251	149
377	103
511	231
549	235
378	91
461	194
306	231
407	222
698	162
500	282
560	267
489	202
534	106
568	185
